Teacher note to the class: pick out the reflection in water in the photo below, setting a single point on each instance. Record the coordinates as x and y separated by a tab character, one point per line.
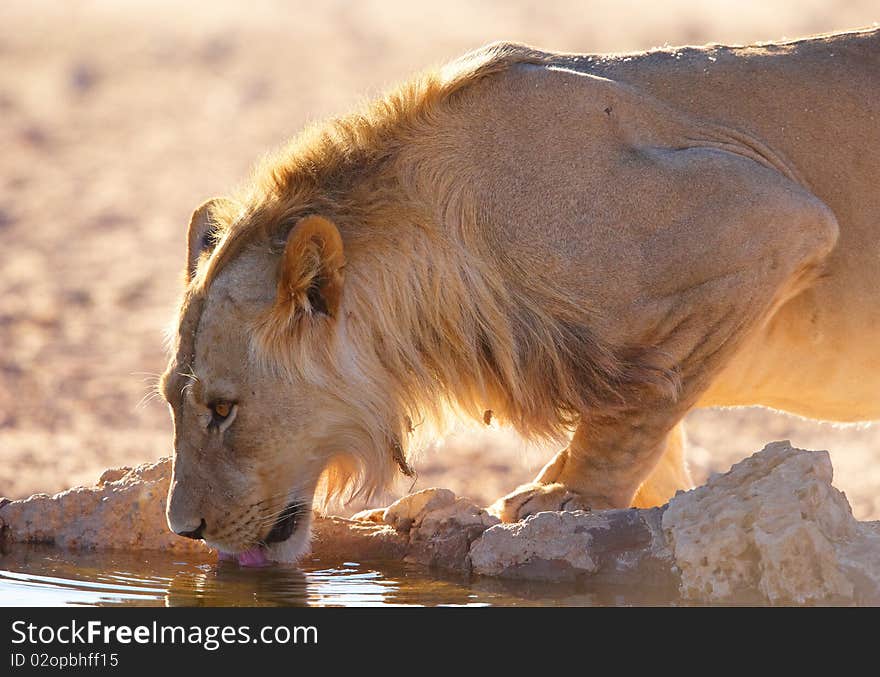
36	576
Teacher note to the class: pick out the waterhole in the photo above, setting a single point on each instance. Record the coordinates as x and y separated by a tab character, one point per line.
45	576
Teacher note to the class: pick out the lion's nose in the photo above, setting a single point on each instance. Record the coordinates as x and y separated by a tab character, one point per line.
194	533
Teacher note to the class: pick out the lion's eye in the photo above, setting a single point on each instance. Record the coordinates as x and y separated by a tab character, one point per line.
221	413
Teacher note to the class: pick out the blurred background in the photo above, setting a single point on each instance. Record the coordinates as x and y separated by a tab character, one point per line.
117	118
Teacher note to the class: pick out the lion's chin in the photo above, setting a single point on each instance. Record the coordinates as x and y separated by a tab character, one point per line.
288	551
296	546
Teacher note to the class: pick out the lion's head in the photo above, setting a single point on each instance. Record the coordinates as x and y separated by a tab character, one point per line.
261	397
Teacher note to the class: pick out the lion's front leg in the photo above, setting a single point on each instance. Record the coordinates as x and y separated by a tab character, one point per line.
604	467
671	474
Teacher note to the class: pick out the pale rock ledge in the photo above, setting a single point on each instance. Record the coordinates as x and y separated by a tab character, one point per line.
771	530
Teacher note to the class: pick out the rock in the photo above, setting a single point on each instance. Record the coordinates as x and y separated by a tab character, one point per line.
114	474
443	536
126	509
621	546
860	561
773	528
336	538
544	546
438	526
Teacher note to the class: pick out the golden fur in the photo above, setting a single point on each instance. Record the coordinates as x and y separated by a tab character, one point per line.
400	266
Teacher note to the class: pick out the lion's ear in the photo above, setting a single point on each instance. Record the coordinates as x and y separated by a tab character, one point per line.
200	236
310	280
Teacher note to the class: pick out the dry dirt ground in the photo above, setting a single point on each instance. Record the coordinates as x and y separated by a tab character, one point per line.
118	117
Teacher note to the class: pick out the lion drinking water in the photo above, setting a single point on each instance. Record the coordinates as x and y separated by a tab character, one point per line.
574	243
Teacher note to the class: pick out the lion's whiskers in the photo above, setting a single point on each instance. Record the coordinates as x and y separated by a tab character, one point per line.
152	388
148	397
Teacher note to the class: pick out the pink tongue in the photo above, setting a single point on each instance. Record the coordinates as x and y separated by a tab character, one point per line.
255	557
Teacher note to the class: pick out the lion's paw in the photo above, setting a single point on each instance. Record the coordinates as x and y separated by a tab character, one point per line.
374	515
533	498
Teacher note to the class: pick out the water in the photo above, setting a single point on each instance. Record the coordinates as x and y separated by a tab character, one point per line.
45	576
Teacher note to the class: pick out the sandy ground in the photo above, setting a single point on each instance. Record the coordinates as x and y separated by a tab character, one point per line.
118	117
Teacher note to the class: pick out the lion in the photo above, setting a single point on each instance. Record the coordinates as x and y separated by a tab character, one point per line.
584	248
